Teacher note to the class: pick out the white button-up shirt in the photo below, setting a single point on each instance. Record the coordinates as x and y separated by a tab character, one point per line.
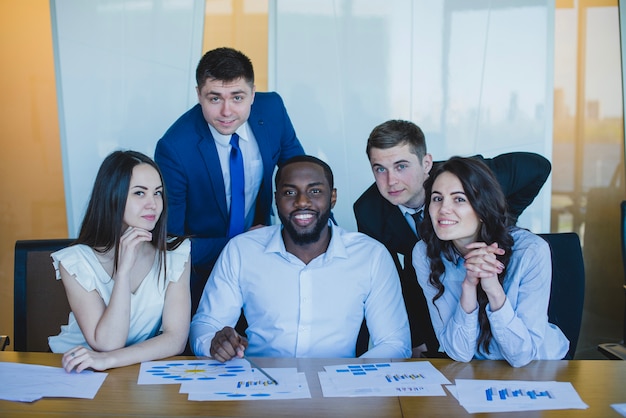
305	310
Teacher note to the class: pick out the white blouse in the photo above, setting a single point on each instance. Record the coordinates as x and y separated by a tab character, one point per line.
146	303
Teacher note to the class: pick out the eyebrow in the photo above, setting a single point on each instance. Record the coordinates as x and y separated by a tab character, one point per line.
231	93
393	163
453	193
317	183
139	186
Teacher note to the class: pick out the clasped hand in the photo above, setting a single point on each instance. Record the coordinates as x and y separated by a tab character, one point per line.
481	264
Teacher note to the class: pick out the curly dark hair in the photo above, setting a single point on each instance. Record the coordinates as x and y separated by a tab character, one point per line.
486	198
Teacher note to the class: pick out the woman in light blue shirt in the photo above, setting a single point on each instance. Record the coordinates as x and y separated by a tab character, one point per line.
487	284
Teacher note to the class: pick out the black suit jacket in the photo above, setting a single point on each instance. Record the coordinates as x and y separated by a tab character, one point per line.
521	175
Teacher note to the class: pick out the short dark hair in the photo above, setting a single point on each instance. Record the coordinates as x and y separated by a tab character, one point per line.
328	173
397	132
225	64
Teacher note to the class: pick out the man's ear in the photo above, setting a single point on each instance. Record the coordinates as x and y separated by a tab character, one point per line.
427	163
253	93
333	198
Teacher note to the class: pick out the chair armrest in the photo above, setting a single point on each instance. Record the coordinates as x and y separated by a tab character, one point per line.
4	342
614	351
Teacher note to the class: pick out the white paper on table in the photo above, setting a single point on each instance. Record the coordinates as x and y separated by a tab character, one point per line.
620	408
29	382
380	375
291	385
453	391
333	389
179	371
286	377
513	395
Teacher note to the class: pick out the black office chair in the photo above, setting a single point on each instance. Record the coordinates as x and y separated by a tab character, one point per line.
617	351
567	294
40	303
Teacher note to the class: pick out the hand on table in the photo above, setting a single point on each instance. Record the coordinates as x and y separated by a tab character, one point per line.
227	344
80	358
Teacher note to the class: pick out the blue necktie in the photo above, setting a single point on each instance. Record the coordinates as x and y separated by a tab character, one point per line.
237	189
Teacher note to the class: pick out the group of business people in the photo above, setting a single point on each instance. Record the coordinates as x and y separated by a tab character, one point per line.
188	234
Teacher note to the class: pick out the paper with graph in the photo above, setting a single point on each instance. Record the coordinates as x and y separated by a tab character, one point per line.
209	380
512	395
419	378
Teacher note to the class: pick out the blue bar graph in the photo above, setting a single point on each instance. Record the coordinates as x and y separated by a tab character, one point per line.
506	393
402	377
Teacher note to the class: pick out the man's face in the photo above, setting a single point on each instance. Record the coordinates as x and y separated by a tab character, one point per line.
304	200
226	104
400	175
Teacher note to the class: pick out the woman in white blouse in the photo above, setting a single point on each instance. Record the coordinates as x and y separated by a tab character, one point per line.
126	282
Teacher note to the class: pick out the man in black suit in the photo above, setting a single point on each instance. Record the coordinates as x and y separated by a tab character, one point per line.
391	208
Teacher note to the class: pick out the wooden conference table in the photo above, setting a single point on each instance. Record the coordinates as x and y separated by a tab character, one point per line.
599	383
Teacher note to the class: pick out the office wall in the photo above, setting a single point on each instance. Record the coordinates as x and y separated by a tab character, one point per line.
477	77
32	203
443	65
622	33
125	72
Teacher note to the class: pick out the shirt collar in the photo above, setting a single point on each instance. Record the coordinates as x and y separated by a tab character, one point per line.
410	211
224	140
336	247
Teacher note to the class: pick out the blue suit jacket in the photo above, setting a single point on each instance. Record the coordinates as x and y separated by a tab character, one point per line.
187	156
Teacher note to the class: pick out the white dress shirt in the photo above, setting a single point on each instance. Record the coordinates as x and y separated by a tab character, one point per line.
304	310
252	166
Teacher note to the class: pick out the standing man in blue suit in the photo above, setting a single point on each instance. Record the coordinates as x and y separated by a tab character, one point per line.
207	174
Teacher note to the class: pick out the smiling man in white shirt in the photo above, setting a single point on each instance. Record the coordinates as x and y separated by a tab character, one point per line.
305	286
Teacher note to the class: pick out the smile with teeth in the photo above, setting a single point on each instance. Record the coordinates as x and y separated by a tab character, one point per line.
303	218
446	222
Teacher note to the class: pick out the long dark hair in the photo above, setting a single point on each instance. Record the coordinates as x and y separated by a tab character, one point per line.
102	225
486	198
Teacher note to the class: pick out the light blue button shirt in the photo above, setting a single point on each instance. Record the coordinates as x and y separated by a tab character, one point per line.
520	328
